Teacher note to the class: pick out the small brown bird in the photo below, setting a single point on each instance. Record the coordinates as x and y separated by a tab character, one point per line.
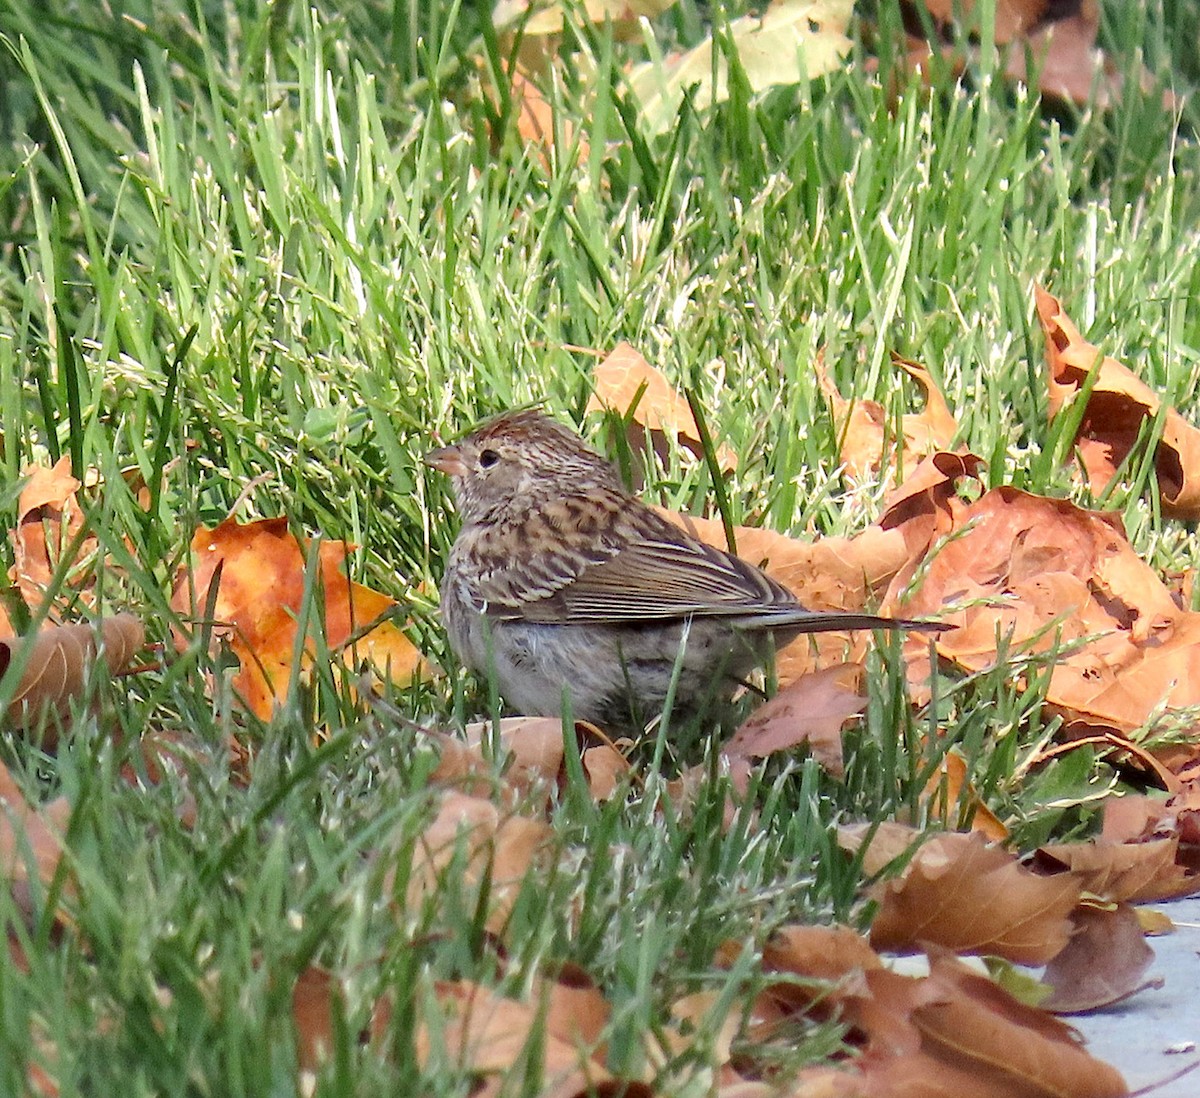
562	584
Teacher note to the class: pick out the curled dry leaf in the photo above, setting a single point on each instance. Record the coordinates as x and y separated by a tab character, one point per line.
536	746
1044	577
867	433
262	583
49	526
886	841
1104	962
30	838
966	895
1135	872
631	387
55	662
948	792
813	710
1059	39
1118	406
953	1032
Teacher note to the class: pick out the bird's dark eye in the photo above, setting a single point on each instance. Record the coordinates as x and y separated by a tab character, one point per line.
488	458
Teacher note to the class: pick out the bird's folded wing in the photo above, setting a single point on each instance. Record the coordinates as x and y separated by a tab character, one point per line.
657	580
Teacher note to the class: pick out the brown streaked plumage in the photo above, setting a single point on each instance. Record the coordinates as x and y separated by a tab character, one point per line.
560	582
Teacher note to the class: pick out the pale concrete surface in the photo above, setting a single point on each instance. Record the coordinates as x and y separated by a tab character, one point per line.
1156	1033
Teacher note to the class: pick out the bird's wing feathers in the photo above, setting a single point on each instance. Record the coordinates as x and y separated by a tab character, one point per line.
648	569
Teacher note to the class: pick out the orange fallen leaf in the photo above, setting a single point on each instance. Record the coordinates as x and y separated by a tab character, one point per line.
813	710
1046	578
866	431
488	1035
1118	406
30	838
964	894
1134	872
626	383
49	527
953	1032
262	582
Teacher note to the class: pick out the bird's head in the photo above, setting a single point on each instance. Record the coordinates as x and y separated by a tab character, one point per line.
515	462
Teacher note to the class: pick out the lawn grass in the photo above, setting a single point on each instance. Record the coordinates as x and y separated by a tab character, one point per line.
277	254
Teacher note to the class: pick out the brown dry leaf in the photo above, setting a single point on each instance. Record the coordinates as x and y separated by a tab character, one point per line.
57	661
313	997
889	840
970	1023
948	789
866	431
576	1011
819	952
1118	406
1059	39
1044	576
624	378
489	1035
497	846
536	747
49	526
953	1034
30	838
1104	962
961	893
261	592
811	710
1136	872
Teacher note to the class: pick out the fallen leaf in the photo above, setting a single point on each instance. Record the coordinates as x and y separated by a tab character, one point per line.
498	847
1104	962
536	749
55	663
1135	872
30	838
49	537
951	1034
1042	577
811	710
489	1035
262	583
789	42
1118	406
538	19
866	433
948	792
964	894
626	383
885	841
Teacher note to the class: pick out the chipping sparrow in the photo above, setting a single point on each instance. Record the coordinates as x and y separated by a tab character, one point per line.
562	584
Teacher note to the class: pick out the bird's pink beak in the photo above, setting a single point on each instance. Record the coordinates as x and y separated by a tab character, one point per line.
448	460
